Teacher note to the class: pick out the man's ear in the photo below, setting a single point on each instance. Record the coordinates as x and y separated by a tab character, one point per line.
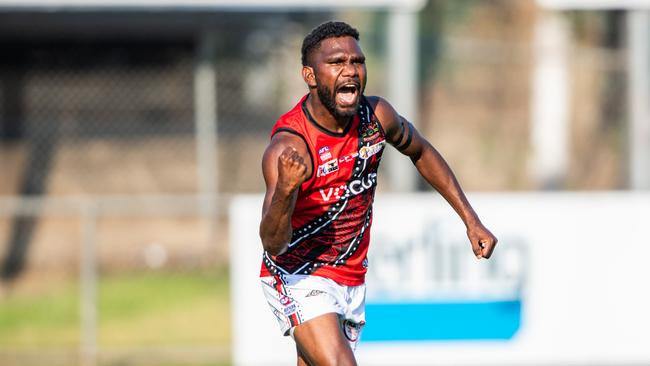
308	76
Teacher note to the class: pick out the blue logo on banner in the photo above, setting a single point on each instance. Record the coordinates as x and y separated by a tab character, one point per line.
424	321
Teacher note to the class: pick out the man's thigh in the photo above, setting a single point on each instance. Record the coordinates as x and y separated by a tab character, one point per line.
321	342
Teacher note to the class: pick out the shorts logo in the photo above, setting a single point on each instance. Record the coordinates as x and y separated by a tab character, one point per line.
277	314
365	263
290	309
368	151
352	329
314	293
324	153
285	300
327	168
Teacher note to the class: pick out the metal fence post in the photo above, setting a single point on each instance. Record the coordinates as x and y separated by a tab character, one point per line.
88	285
550	101
205	115
638	23
402	77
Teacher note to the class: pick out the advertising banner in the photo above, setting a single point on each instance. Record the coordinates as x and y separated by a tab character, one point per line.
566	284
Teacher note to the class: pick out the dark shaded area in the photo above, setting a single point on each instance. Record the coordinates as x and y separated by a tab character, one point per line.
43	142
40	152
33	182
11	82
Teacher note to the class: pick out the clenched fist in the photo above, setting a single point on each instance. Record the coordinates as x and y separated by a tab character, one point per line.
483	241
291	170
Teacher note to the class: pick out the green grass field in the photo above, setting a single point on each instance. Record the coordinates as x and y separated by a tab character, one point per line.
135	310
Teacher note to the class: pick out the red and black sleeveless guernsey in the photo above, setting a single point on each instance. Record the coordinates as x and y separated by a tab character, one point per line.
333	213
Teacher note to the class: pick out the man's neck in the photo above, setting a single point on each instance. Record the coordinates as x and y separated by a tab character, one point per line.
324	117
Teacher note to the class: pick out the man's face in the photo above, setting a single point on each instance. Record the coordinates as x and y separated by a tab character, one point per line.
340	73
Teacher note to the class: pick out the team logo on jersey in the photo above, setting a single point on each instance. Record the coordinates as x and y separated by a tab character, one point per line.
365	263
327	168
369	131
354	188
368	151
337	192
324	153
348	158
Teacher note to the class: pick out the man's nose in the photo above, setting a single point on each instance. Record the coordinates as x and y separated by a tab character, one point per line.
350	69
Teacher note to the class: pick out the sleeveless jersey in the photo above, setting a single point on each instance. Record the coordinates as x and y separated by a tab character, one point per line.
333	212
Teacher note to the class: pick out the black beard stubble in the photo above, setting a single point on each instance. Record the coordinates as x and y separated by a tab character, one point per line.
327	98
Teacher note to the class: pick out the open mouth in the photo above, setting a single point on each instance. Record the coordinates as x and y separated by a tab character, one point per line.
347	95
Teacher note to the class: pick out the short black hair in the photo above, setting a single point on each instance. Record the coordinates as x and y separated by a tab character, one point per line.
326	30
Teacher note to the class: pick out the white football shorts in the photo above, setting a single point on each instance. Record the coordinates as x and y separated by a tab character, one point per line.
295	299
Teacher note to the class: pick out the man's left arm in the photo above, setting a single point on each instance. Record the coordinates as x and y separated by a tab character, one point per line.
434	169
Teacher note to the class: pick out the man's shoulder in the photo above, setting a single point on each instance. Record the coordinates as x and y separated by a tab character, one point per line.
373	99
380	106
378	103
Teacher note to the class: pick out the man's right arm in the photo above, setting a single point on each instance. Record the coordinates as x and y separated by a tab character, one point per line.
285	168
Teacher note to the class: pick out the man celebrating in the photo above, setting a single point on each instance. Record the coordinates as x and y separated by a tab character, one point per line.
320	170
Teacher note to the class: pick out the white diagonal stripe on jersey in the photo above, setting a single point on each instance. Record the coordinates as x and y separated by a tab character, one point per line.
300	269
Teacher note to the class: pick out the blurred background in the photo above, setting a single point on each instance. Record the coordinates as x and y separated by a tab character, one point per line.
126	128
